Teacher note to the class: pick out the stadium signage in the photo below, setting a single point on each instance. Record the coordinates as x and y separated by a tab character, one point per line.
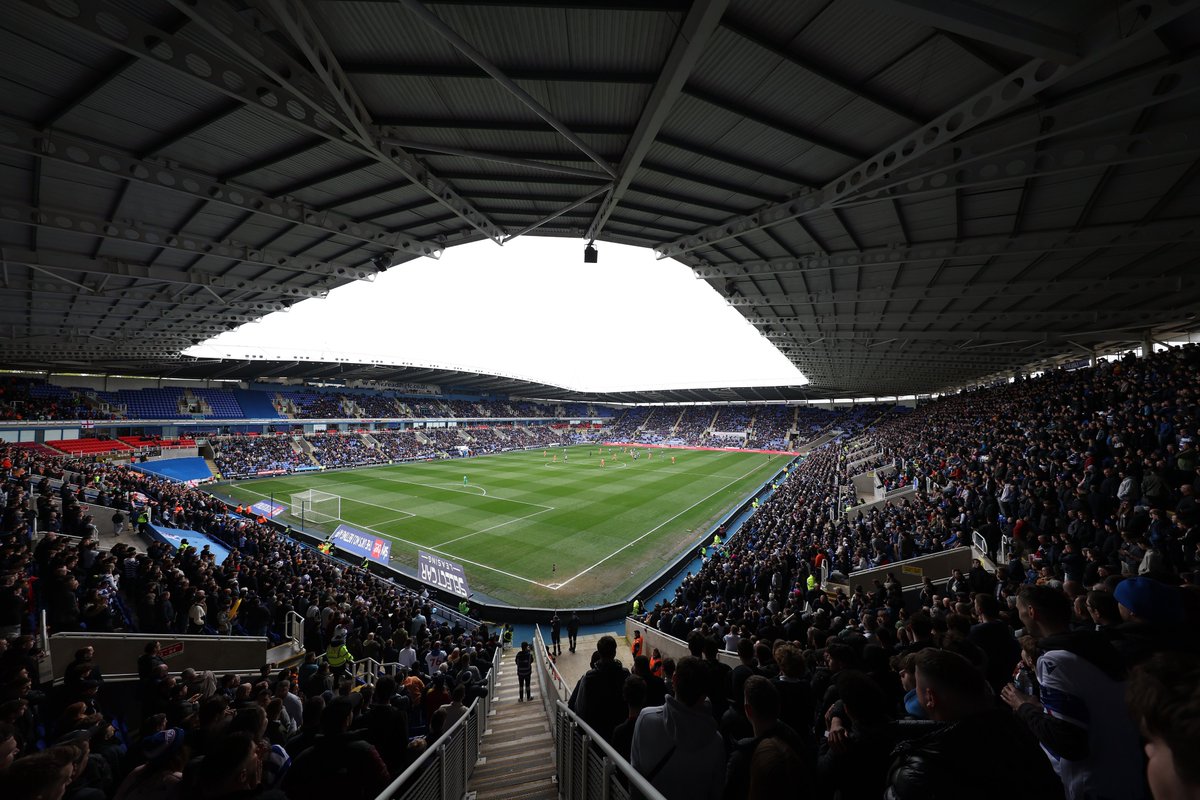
437	571
362	544
268	508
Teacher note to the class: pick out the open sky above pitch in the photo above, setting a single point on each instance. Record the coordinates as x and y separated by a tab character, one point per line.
531	309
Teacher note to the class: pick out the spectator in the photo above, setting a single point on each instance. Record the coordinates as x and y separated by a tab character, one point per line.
975	738
1079	715
338	764
160	776
1164	698
597	696
770	765
42	776
455	710
676	746
634	694
524	661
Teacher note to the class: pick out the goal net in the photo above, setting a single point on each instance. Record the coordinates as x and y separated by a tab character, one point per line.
317	507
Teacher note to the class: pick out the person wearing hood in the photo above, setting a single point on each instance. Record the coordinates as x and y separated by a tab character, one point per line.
1151	620
676	746
1079	716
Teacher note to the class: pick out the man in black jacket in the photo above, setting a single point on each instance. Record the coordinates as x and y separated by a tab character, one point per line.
976	741
597	697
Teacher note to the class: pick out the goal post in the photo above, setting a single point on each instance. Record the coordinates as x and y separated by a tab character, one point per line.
316	506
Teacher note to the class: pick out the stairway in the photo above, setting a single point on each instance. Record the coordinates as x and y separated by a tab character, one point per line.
516	759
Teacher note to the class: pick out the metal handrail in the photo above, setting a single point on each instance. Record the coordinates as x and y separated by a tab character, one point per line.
478	712
611	760
293	628
548	666
425	758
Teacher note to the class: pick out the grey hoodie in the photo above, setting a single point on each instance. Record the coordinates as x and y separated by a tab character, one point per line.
696	768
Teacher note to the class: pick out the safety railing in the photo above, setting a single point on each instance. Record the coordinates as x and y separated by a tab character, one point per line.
293	628
979	542
1004	553
588	767
553	687
443	771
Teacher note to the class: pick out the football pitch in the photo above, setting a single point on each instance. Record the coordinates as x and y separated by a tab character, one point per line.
530	530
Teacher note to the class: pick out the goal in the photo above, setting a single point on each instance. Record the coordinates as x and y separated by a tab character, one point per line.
317	507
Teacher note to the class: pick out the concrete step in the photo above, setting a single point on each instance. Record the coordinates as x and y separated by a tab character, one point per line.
517	752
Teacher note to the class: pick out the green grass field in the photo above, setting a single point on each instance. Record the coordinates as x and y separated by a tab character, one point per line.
532	532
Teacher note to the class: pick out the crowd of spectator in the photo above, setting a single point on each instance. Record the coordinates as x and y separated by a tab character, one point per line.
693	424
403	445
772	425
302	732
22	399
299	732
536	436
489	440
241	456
342	450
377	406
1092	475
313	404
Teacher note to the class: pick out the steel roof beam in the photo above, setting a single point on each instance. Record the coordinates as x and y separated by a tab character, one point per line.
560	212
1012	167
260	86
367	194
758	168
1109	34
273	159
728	186
47	260
825	71
517	126
190	128
945	336
974	291
988	25
498	158
140	294
748	112
311	180
80	153
690	41
977	318
1027	244
399	70
459	43
153	236
306	36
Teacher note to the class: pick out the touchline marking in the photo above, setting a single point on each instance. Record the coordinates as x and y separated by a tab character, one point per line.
492	528
656	527
434	548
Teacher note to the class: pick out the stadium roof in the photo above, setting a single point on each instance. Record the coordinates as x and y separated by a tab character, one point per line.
902	194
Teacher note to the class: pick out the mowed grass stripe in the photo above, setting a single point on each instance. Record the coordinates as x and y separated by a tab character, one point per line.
540	523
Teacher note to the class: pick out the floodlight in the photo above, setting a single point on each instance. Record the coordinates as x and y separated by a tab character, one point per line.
590	255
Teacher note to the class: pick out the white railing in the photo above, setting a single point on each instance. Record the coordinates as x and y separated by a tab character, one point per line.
548	674
293	628
443	771
589	768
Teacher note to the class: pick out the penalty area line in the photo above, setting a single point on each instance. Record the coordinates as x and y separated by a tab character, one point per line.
435	549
